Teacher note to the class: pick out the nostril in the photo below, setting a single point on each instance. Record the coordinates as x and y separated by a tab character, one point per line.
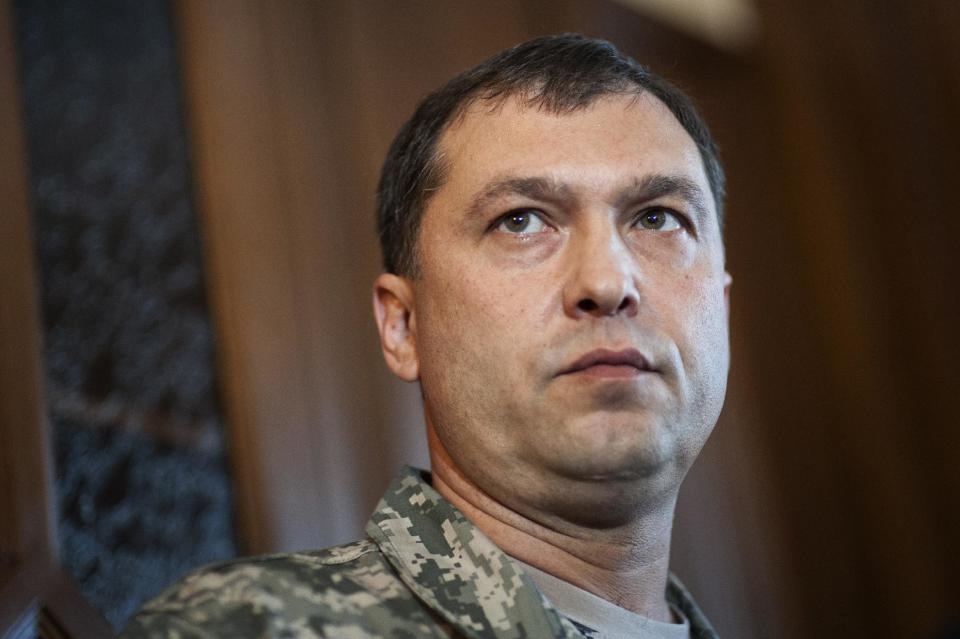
587	305
625	303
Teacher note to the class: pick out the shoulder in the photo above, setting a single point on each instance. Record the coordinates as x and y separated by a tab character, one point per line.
294	594
250	577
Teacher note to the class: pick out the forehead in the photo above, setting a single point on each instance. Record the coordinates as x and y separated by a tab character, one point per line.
614	140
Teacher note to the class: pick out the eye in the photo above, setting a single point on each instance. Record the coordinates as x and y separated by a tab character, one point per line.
658	219
521	221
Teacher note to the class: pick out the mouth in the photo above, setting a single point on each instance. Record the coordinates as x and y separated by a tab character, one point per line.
606	363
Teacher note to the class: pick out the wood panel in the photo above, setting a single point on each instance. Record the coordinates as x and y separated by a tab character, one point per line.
863	374
28	530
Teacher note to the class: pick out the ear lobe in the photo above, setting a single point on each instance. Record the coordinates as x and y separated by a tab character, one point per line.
393	309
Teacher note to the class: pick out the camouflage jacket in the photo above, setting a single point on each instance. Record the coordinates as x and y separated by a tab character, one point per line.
425	571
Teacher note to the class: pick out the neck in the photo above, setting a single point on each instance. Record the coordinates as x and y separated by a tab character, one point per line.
626	565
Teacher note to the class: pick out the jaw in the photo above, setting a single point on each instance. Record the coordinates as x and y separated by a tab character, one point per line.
603	486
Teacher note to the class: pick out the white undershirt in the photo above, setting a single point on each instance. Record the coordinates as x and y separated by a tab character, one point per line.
607	620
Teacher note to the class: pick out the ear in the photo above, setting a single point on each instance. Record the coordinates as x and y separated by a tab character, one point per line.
393	298
727	283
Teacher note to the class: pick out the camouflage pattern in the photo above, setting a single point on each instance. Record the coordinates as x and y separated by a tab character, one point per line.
425	571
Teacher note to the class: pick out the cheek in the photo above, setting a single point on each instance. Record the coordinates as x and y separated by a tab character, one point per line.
699	319
474	341
463	320
485	301
485	331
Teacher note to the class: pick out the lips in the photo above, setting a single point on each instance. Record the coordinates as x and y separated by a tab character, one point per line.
602	360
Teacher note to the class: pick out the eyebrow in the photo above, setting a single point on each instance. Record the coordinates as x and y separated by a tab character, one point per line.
536	188
657	185
645	189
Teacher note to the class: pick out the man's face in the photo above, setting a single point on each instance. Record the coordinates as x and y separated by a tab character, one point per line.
570	319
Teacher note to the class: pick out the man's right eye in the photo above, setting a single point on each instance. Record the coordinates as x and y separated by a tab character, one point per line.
521	222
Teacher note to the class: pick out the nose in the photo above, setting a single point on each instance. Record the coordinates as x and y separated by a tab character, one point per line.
602	280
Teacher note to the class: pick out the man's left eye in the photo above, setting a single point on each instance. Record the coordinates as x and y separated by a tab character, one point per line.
521	222
658	220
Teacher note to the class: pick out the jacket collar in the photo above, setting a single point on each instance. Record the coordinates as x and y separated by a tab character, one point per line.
455	569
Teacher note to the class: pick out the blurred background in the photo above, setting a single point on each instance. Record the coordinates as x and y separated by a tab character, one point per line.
188	366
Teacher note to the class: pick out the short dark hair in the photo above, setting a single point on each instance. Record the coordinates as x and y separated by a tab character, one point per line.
558	73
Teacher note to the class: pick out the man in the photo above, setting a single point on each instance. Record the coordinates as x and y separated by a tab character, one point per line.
551	229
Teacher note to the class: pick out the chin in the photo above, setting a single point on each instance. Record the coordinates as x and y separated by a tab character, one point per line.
615	466
613	460
610	447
